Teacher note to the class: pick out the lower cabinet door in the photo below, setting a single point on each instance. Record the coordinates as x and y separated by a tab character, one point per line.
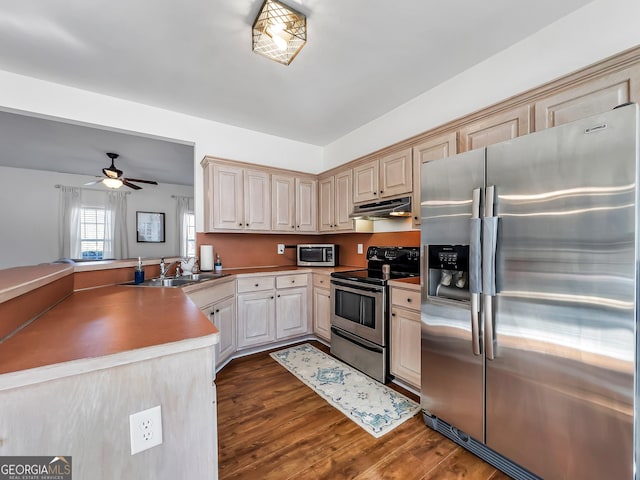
223	316
405	345
291	312
256	319
322	313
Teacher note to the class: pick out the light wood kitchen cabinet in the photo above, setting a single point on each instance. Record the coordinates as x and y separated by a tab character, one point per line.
217	301
496	128
306	199
322	306
292	305
223	315
256	310
271	308
236	198
283	199
294	204
256	318
405	335
435	148
588	98
382	178
335	202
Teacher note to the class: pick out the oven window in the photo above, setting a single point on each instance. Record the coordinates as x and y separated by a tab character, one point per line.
357	308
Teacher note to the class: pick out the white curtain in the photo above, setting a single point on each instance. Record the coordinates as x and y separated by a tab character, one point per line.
69	222
184	205
116	244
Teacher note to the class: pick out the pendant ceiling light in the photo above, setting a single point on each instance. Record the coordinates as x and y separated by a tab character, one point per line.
279	32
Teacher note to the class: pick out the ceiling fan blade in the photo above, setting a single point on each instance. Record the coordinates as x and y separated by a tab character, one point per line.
152	182
130	185
94	182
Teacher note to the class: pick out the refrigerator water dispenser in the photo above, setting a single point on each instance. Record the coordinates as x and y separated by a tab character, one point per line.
449	272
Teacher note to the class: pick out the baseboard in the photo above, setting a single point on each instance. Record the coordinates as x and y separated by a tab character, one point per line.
270	346
400	383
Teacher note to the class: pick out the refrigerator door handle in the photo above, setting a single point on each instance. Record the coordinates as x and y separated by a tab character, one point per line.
489	246
475	270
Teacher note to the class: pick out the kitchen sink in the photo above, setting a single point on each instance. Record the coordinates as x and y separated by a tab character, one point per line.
178	281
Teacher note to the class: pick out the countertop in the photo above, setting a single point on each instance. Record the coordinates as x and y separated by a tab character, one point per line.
107	325
412	283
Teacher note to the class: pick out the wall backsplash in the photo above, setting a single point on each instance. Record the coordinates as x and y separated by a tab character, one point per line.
240	250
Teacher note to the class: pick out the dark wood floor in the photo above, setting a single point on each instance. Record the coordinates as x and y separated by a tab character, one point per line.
272	426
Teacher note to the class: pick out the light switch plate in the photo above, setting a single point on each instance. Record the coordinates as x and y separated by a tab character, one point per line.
360	249
145	429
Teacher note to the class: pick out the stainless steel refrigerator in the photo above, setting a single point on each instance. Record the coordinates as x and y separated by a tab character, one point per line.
529	300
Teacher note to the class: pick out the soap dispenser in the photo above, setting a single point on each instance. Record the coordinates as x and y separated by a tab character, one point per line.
218	264
139	273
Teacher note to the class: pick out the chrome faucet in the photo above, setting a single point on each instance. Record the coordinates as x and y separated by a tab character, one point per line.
164	269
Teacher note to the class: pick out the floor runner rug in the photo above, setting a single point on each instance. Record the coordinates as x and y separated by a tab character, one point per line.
375	407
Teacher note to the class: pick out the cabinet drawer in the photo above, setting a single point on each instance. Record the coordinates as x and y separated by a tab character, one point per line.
295	280
405	298
321	281
255	284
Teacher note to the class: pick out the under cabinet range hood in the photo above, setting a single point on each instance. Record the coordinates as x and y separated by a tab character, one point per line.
397	207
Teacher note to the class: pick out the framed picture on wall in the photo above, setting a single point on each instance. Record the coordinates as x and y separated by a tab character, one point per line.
150	227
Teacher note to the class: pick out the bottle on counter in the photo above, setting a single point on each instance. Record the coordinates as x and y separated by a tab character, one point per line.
218	264
139	273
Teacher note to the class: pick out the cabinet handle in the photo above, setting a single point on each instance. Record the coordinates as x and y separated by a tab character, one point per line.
321	281
293	281
247	224
257	285
240	224
217	310
381	191
278	296
393	314
408	300
375	193
292	226
271	297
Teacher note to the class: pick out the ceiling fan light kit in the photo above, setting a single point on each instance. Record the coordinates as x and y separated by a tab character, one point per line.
279	32
113	177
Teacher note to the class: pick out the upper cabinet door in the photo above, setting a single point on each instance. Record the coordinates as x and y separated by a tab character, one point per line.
588	98
306	205
227	197
435	148
283	203
257	200
395	174
365	182
326	188
496	128
343	203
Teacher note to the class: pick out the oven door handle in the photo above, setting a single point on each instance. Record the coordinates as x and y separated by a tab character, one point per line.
355	288
359	341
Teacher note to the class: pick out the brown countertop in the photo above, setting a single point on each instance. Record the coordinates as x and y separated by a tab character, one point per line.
286	268
19	280
105	321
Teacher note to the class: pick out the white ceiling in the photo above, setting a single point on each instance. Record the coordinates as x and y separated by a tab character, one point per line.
363	57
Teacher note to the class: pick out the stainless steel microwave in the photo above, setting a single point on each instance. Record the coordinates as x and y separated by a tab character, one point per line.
318	255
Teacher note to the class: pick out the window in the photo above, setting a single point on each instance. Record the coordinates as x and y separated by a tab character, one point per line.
190	226
92	232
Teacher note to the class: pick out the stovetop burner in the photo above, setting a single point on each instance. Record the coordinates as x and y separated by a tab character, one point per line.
403	262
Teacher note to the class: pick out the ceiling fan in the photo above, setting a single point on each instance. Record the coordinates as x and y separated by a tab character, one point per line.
113	177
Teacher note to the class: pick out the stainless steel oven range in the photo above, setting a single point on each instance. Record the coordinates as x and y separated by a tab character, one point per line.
360	308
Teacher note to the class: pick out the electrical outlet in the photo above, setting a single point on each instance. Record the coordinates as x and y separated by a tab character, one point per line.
145	429
360	249
280	248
